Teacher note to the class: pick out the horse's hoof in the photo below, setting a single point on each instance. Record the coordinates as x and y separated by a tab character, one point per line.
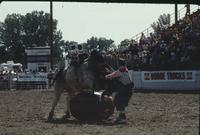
50	117
66	116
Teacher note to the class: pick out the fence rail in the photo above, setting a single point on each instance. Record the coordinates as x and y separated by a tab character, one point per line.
181	14
12	82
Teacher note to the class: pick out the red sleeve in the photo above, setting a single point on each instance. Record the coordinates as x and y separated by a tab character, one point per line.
123	69
113	75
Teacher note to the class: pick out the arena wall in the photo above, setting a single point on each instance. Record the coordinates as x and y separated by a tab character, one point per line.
143	80
166	80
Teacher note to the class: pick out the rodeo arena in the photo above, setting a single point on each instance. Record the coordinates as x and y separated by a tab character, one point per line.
149	86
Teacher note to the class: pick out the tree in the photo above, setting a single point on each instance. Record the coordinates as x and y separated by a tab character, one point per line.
124	45
1	32
162	23
58	45
32	30
3	50
101	44
92	43
36	28
68	44
105	44
12	39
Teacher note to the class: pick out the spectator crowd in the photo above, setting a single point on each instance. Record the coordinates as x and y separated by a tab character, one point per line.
9	79
174	48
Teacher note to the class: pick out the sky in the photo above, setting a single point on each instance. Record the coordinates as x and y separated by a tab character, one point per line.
80	21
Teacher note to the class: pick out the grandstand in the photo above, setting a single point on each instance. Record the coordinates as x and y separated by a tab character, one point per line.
181	14
173	48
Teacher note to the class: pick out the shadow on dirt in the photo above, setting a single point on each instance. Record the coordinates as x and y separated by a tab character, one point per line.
75	121
169	91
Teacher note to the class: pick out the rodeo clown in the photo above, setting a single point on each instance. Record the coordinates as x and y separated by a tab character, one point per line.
124	92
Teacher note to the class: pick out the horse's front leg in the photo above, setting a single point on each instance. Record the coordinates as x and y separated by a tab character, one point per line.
67	112
55	102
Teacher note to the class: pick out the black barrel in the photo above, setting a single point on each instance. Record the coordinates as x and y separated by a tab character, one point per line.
91	107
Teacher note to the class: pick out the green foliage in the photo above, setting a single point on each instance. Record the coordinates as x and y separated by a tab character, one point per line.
1	32
58	44
162	23
127	42
18	32
101	44
12	39
68	44
3	54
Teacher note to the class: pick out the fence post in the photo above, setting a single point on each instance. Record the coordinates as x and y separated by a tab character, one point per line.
9	81
176	13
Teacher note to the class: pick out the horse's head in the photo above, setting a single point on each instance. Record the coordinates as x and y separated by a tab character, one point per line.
99	69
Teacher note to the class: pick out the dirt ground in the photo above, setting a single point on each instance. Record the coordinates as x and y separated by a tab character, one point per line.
25	113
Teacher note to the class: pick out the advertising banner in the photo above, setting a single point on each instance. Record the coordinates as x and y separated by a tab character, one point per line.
168	76
39	77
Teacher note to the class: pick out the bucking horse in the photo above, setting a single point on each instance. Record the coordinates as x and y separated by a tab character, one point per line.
87	75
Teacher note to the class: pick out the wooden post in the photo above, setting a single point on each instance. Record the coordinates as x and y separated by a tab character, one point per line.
187	9
176	13
51	33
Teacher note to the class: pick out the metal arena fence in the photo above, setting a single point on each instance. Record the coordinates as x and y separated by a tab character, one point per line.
181	15
23	81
